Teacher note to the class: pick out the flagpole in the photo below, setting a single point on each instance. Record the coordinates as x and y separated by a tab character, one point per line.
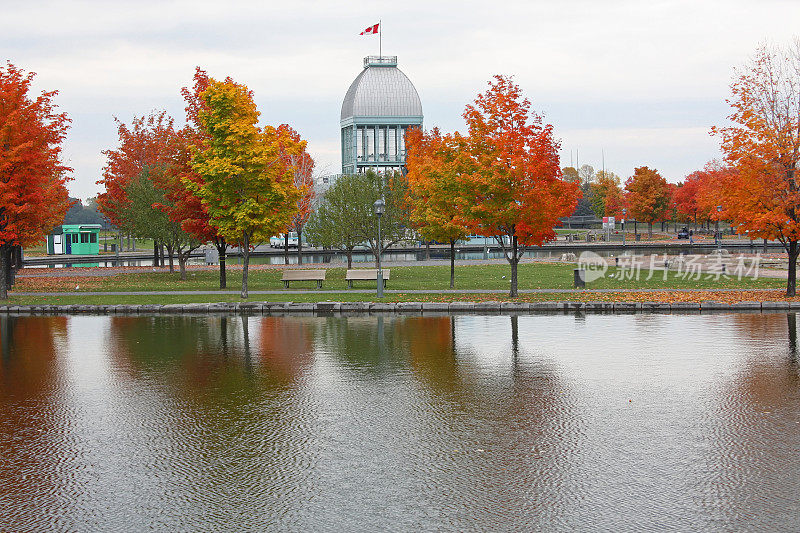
380	38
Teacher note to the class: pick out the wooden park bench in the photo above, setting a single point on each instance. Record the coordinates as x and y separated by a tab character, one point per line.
365	274
301	274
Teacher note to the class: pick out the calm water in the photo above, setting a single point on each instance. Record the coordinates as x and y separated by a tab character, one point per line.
391	256
468	423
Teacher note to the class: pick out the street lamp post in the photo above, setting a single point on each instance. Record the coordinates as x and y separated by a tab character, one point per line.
716	229
624	212
380	207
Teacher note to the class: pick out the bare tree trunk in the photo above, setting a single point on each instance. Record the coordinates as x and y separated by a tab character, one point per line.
246	338
4	271
349	258
650	230
171	253
791	280
514	261
6	332
299	245
14	264
427	250
182	257
245	262
452	263
155	253
515	337
161	253
286	248
222	249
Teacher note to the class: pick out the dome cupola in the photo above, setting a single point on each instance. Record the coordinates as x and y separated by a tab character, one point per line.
378	108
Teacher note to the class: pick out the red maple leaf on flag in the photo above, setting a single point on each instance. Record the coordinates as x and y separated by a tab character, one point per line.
372	30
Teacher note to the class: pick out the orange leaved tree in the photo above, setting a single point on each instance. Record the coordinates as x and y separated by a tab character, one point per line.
433	168
606	194
713	185
301	166
33	195
763	146
648	196
511	187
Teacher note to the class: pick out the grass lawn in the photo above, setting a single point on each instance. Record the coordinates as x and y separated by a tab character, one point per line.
473	277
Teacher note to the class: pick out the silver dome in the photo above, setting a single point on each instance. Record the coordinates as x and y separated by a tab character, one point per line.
381	90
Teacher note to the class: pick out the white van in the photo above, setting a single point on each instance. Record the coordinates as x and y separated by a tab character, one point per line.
280	240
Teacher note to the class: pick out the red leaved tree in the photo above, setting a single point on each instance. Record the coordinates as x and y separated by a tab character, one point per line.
33	195
512	188
149	161
148	144
710	187
685	197
648	197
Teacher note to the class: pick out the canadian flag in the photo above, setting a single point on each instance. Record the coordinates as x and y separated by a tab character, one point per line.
372	30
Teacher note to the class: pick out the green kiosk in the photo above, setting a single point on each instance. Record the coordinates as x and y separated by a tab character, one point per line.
74	239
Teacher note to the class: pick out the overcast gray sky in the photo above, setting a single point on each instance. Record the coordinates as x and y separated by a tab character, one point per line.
641	81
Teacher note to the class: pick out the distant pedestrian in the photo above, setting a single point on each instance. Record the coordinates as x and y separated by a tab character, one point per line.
691	237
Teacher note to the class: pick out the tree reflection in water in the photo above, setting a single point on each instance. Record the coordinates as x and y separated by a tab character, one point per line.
418	422
34	419
756	429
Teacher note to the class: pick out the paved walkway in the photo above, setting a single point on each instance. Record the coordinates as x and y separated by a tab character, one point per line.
81	272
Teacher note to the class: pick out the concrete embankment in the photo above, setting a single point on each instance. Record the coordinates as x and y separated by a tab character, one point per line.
415	308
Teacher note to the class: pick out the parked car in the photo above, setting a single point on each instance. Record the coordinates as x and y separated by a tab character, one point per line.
279	241
683	233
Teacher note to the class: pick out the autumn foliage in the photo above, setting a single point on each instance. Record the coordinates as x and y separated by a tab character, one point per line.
763	146
434	163
199	222
148	145
685	197
245	184
607	198
33	195
301	165
647	196
513	187
508	182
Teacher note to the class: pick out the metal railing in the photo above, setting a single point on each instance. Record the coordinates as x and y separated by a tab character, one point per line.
384	61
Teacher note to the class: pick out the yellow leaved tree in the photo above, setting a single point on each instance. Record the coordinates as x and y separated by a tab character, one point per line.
246	184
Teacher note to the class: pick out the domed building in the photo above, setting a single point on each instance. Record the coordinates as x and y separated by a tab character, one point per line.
380	105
